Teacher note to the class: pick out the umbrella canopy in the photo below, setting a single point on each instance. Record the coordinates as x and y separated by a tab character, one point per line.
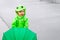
19	34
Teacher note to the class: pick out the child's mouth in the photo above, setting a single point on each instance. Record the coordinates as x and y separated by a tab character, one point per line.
21	14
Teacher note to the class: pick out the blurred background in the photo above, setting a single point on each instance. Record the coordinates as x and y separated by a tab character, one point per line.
44	17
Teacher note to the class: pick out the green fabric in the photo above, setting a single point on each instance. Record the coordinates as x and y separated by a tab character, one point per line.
20	21
20	7
19	34
19	30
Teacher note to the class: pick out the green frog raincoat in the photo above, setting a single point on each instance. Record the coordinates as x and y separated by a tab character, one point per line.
20	21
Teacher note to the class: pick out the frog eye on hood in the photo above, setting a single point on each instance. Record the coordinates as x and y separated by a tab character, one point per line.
16	7
21	6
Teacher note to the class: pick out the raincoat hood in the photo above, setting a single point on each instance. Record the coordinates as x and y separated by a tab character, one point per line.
20	8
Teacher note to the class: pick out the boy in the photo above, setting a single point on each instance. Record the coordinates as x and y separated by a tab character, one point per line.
20	21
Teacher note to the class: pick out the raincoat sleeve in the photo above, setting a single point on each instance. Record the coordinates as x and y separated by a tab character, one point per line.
26	23
14	23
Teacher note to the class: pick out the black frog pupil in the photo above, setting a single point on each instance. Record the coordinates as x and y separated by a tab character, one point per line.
17	7
21	6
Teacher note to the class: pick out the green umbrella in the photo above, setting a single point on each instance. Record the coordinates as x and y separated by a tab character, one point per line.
19	34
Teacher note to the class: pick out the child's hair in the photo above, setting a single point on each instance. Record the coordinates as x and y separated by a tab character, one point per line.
19	11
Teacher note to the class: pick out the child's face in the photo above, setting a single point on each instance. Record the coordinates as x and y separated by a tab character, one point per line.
21	13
